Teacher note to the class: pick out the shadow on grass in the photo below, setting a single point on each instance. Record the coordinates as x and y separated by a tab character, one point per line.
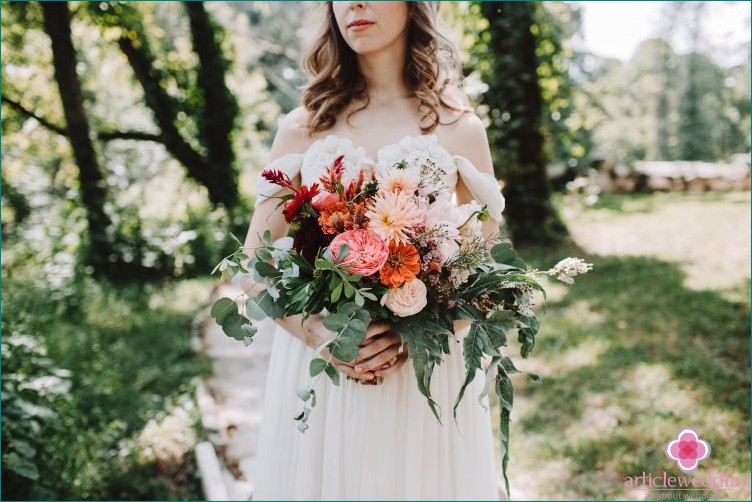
631	357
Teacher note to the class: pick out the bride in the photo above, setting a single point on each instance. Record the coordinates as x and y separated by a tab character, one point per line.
384	87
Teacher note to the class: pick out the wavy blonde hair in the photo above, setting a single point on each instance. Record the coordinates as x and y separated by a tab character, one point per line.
432	70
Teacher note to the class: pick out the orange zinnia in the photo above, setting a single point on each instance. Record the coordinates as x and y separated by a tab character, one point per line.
402	265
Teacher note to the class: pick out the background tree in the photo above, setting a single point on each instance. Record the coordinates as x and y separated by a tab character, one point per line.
506	53
100	251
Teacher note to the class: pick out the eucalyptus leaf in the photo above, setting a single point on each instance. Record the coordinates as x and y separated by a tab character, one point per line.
317	366
304	393
232	326
333	373
266	270
253	310
223	308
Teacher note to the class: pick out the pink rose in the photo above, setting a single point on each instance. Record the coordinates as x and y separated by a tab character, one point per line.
368	252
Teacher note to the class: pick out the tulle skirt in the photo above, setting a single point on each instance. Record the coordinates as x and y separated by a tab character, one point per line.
372	442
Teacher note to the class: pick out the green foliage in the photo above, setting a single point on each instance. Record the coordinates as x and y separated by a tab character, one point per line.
513	58
85	366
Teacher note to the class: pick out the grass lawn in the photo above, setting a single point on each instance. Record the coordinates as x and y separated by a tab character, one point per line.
656	338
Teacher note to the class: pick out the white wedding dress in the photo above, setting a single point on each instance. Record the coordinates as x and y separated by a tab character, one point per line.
377	442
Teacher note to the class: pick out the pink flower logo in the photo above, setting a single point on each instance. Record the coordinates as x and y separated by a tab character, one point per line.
687	450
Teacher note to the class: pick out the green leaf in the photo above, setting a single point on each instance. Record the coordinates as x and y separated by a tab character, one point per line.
21	466
526	334
476	343
248	330
336	293
503	253
359	301
305	393
266	270
348	309
266	303
23	448
253	310
505	392
232	326
317	366
235	238
368	295
267	238
342	252
333	373
223	308
535	377
322	264
335	322
490	374
349	290
263	254
344	349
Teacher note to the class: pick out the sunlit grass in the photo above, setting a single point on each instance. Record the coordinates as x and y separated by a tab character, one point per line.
638	349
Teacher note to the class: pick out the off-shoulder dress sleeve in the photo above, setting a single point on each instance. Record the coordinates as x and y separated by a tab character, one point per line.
484	187
289	164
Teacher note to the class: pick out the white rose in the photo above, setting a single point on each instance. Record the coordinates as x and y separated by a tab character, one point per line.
407	300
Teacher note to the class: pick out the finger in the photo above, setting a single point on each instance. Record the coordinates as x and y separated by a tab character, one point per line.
376	360
368	375
378	345
389	363
394	368
377	328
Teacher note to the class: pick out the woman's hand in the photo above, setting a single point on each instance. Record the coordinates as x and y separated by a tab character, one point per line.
381	353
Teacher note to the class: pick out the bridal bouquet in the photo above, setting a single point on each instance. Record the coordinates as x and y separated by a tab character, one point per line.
393	246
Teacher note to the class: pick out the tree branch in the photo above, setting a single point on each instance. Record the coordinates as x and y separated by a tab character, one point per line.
63	131
137	135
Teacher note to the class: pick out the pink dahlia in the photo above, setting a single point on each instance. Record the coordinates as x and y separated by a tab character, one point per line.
368	252
394	216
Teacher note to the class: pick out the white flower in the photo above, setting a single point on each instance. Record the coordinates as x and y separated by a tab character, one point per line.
568	268
170	438
470	227
447	248
394	179
407	300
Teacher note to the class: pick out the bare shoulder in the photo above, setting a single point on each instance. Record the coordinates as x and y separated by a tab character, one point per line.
292	134
467	137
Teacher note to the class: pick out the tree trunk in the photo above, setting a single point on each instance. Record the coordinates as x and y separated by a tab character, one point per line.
57	21
219	109
214	171
515	103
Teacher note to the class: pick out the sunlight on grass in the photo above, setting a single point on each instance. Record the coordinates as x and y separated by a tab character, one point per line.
677	227
654	339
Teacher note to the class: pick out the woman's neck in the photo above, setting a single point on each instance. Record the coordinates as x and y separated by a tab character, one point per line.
383	72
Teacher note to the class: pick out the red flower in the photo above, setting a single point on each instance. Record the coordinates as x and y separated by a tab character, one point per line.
333	176
295	208
277	177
